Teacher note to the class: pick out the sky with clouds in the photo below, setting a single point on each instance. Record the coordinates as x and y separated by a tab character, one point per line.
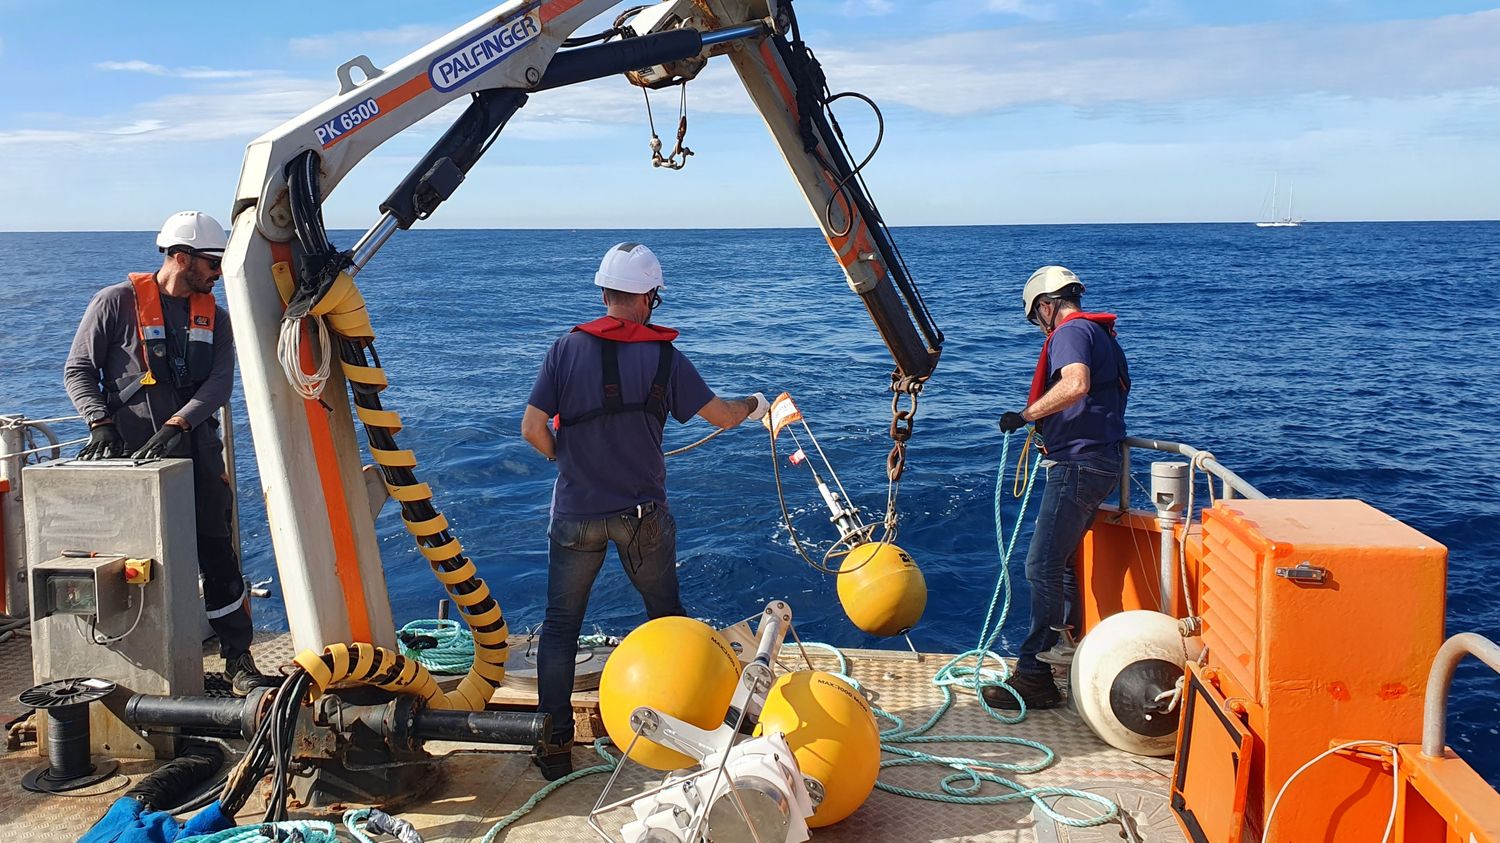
997	111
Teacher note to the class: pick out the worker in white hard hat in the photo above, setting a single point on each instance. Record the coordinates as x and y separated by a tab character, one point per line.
151	362
598	407
1077	403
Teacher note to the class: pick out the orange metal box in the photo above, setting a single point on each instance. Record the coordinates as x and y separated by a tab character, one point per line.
1321	618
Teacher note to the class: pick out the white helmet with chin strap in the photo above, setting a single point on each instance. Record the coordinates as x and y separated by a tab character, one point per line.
194	230
1049	281
630	268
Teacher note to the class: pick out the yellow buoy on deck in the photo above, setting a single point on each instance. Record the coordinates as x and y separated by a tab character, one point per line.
678	666
882	589
832	734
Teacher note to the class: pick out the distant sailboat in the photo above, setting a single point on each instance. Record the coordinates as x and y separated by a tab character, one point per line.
1270	220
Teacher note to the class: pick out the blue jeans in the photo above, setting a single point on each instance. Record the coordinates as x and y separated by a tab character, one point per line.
1073	494
647	545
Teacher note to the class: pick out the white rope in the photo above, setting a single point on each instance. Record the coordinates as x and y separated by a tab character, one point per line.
1395	782
44	448
23	422
289	352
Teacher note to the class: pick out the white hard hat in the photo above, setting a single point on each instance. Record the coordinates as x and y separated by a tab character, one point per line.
1049	280
630	268
194	229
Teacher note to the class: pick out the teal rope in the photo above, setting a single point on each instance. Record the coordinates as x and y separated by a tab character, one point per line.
962	787
311	831
454	652
354	821
610	762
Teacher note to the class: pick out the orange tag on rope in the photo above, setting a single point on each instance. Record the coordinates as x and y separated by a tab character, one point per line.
782	413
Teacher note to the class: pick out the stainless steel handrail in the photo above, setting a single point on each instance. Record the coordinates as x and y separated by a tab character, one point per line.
1440	678
1232	483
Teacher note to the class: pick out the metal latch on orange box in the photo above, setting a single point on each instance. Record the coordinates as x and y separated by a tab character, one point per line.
138	571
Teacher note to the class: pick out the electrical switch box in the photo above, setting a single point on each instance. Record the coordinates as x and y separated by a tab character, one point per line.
93	586
137	571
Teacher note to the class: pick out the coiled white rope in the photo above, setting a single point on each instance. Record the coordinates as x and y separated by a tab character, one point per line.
309	385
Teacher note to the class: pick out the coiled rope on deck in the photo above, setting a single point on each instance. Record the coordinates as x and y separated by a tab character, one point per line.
451	651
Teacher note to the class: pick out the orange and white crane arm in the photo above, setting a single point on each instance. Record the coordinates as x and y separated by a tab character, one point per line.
287	284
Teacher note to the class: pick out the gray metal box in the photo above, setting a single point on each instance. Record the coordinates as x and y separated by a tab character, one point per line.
92	587
142	511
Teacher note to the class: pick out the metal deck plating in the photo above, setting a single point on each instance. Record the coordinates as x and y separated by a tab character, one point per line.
479	788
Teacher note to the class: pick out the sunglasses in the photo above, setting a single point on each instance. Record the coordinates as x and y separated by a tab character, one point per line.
214	261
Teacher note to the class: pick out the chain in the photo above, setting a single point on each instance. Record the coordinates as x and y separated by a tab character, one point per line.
671	161
902	421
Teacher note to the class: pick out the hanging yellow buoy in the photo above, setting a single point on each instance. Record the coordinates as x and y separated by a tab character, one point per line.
882	589
678	666
832	734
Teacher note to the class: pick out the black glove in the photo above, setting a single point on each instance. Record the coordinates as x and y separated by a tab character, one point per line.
160	444
104	441
1011	422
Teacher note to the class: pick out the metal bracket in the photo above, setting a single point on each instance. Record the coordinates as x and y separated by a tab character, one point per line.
1305	573
346	79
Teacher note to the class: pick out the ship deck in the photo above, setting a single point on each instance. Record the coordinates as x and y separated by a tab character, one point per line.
478	788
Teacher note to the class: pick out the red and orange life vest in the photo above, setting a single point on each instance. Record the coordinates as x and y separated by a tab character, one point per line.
153	332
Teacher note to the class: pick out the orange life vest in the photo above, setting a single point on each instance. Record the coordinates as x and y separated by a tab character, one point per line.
155	353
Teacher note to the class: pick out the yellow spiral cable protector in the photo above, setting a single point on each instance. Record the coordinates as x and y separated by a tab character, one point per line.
343	308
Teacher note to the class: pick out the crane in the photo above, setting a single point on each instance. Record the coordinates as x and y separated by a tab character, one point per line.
299	309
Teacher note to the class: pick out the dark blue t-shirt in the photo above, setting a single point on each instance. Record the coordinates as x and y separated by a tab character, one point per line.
1097	421
612	463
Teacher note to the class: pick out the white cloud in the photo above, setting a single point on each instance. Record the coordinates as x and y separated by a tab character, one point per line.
345	45
979	72
866	8
1022	8
138	66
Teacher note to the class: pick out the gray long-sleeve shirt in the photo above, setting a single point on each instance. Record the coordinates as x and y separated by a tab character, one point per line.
106	353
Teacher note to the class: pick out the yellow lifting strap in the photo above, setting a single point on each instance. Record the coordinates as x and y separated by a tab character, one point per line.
313	664
364	661
430	527
368	375
339	290
495	639
472	598
408	494
489	617
452	578
394	459
340	654
388	419
355	323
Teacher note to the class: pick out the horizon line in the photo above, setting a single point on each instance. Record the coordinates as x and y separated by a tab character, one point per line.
1312	223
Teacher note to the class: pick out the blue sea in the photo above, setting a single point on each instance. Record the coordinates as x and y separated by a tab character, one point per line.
1334	360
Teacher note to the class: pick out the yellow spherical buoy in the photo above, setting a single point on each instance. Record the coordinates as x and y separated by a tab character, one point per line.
881	589
833	736
678	666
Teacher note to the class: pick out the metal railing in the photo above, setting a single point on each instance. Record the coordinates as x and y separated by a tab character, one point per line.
1231	484
1440	679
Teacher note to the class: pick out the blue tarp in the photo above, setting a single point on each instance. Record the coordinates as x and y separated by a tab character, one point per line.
127	821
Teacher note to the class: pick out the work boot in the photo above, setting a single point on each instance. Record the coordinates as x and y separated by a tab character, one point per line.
244	677
1037	689
555	760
